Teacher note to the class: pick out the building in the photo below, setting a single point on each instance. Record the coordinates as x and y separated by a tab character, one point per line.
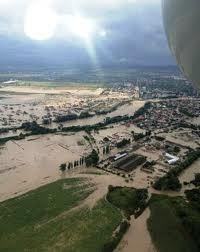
129	162
171	159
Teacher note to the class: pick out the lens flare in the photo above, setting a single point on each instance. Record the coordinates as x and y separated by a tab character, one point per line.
40	22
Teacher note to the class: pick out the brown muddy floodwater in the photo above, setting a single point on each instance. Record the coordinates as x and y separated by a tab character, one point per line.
29	163
137	238
189	173
34	161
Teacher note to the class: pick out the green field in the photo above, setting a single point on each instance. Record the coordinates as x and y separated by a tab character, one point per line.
166	225
129	200
41	220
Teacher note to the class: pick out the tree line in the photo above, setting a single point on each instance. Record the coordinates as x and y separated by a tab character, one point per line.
170	181
33	128
91	159
64	166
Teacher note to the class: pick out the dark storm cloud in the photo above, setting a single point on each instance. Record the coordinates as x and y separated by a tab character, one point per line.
137	36
134	36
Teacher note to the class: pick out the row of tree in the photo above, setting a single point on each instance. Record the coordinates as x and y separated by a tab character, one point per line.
109	120
106	149
123	143
70	165
91	160
35	129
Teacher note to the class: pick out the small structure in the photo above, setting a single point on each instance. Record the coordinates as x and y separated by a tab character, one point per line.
10	82
171	159
120	155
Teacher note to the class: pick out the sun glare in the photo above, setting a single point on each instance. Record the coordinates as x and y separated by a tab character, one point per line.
103	33
81	26
40	22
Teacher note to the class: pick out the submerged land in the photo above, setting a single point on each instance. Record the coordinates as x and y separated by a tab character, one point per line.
111	159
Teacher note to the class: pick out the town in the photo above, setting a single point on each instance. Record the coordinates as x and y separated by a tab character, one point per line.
134	137
125	138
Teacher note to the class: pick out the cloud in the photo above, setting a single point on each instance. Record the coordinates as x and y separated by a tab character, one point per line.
133	32
14	11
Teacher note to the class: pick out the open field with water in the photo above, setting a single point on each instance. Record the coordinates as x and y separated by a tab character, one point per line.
77	196
57	218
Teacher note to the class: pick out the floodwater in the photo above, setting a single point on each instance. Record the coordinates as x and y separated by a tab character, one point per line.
50	90
34	161
18	107
29	163
189	173
195	120
137	238
11	133
182	139
128	109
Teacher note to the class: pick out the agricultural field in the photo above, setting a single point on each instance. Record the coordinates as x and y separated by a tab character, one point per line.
56	217
173	224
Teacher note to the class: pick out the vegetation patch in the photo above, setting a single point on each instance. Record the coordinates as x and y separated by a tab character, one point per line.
36	129
40	220
196	180
130	200
168	182
11	138
115	240
167	224
123	143
92	159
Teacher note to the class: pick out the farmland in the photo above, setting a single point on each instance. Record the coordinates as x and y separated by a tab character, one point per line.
56	217
167	224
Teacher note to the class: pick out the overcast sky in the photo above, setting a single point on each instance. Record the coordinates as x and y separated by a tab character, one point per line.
126	32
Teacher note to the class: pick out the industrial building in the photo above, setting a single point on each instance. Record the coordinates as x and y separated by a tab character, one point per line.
129	162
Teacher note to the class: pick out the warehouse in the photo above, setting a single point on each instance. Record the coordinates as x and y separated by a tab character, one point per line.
130	162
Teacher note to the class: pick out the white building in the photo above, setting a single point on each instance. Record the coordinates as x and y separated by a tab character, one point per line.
171	159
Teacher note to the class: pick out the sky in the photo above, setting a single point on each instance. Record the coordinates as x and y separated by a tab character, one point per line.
42	33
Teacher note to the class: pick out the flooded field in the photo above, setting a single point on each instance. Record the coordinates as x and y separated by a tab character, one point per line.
183	138
38	89
34	161
189	173
22	104
28	163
